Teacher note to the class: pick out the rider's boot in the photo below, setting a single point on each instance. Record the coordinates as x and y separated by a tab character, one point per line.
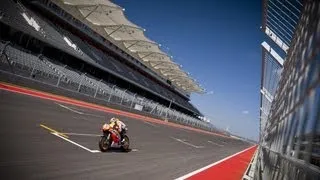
122	139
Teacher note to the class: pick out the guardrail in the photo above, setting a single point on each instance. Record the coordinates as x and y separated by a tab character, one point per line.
42	69
276	166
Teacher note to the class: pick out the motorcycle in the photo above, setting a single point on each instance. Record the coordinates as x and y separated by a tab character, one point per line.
111	138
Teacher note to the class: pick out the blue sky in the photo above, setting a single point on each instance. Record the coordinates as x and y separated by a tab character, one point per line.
218	42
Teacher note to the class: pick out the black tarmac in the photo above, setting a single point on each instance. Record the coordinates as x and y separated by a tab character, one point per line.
30	150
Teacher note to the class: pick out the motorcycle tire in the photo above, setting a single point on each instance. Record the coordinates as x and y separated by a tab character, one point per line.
126	144
104	144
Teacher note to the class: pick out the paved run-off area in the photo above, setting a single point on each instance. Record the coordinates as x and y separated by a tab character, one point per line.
43	139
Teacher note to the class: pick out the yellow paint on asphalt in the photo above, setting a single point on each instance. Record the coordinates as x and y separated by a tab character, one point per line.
54	131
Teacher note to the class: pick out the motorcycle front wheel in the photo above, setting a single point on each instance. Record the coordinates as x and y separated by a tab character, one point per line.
104	144
126	143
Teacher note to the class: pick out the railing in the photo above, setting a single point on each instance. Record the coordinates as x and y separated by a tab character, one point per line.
44	70
276	166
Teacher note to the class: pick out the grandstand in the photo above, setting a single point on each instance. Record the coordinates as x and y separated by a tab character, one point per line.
90	47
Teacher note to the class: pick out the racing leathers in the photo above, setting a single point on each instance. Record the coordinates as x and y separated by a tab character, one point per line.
118	125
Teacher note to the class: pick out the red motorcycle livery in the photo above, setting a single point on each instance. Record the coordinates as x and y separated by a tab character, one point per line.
112	138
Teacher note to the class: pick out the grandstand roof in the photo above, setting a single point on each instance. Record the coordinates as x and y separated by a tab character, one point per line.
108	19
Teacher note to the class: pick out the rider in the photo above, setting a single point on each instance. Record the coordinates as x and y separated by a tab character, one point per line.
118	125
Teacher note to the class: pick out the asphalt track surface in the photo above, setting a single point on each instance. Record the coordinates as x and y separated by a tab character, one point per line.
30	151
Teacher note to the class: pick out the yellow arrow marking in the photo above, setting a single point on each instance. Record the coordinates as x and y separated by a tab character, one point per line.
54	131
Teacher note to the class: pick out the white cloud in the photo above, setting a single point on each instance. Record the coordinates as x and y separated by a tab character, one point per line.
245	112
210	92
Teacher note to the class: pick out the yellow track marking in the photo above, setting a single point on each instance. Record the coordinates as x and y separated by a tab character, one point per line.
54	131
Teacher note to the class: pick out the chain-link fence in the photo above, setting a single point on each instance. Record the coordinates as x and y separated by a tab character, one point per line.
290	142
41	69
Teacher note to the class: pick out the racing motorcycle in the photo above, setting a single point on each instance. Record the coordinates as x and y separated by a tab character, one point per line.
111	138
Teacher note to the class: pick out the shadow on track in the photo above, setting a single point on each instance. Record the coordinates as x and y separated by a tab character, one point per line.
116	150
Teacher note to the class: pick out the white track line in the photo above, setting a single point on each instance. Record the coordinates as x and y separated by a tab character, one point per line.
93	115
215	143
72	142
66	107
95	151
210	165
81	134
150	124
223	142
79	112
182	141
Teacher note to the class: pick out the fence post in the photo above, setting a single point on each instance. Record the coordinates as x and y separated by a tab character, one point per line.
153	108
122	97
32	70
98	86
64	67
168	108
134	97
61	75
111	93
83	75
7	58
5	46
160	109
59	80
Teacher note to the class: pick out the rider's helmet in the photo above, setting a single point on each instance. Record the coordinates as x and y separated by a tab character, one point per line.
113	120
105	127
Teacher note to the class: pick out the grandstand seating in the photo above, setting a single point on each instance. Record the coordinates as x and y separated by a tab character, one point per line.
124	70
54	35
56	74
13	16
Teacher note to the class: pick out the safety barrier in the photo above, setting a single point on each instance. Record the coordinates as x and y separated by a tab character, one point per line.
290	137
